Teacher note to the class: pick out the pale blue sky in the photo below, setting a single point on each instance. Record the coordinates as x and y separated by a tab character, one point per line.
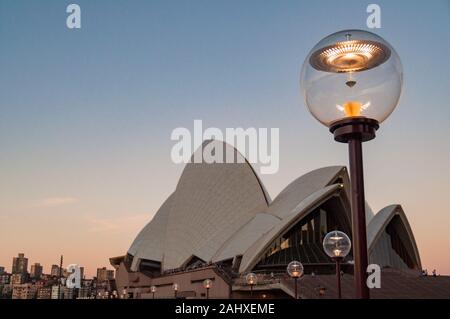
86	115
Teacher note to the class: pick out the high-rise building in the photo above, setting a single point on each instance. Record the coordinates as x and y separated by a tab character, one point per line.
5	278
36	271
54	271
20	264
81	273
104	274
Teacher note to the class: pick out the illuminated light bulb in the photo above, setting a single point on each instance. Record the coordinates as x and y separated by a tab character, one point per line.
336	238
337	252
350	56
336	244
352	108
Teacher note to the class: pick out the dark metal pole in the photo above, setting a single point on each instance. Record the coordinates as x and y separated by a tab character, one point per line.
153	295
355	131
358	217
207	293
338	276
60	277
251	290
295	282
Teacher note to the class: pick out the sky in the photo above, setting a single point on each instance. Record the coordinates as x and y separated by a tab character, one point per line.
86	114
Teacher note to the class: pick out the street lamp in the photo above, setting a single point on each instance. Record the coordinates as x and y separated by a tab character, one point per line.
175	289
124	292
207	284
251	280
295	270
337	245
351	81
153	291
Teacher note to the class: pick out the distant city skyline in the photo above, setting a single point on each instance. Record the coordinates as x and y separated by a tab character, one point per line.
86	114
19	264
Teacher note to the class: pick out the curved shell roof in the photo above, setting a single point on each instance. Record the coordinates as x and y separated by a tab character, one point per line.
149	242
219	211
210	204
382	219
251	256
304	186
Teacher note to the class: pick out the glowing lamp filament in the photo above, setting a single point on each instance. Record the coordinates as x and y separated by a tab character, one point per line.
337	252
352	108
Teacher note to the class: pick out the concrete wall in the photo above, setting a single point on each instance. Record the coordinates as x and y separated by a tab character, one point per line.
190	284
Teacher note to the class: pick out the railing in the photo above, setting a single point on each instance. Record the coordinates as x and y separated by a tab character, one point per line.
262	279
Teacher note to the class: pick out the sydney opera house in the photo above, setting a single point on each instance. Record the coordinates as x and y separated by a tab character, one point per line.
220	224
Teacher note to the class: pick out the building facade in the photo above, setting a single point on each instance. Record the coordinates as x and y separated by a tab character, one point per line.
104	274
54	272
24	291
36	271
44	293
57	292
20	264
220	224
18	279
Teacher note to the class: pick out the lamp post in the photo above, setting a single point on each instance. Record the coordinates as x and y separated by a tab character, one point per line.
124	293
175	290
251	280
351	81
337	245
295	270
207	284
153	291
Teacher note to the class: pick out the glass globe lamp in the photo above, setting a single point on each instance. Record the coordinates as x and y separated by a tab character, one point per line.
153	291
175	288
351	74
251	279
295	269
207	283
337	244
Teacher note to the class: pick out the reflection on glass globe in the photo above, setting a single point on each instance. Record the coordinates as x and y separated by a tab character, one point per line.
351	73
175	287
295	269
153	289
207	283
251	279
337	244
